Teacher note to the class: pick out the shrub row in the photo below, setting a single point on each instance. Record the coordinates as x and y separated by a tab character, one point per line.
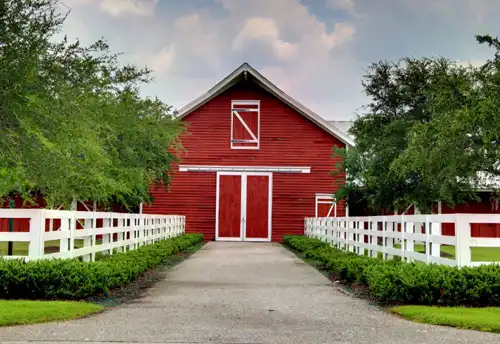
397	282
73	279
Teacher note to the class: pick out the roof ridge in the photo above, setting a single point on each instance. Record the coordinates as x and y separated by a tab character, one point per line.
229	80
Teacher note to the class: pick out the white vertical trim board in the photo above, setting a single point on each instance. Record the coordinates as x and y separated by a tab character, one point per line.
243	211
217	195
270	209
243	215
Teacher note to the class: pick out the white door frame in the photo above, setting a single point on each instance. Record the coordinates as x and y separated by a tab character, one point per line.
243	212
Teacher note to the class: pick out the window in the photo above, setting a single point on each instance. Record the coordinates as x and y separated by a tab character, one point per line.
325	205
245	124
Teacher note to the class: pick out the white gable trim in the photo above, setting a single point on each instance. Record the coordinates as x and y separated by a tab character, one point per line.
246	69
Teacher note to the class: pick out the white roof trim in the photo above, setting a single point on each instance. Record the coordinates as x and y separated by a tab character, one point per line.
273	89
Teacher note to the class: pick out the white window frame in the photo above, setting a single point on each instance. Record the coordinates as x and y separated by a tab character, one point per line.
256	137
323	198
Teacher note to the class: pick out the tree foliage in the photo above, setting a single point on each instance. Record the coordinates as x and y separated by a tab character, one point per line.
431	126
73	125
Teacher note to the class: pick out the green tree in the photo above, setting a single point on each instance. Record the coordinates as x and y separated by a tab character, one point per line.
460	145
73	125
402	96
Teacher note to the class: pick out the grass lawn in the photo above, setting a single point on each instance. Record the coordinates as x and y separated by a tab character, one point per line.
21	248
479	254
481	319
31	312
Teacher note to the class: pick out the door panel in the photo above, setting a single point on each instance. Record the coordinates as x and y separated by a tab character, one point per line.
326	210
230	206
257	207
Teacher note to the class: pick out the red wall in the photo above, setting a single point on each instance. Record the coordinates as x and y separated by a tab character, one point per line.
19	225
478	230
481	230
286	139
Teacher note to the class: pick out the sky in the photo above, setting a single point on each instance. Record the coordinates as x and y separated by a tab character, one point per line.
317	51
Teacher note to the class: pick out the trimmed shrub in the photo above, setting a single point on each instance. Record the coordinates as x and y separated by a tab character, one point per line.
396	282
73	279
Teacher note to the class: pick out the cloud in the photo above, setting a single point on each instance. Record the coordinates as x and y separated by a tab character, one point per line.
119	8
265	29
316	51
126	8
76	2
198	37
346	5
474	63
302	50
160	62
341	34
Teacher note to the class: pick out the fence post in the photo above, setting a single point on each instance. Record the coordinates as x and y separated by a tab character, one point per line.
369	232
10	248
65	245
384	237
403	231
410	244
350	235
389	241
428	252
36	248
106	223
337	233
87	240
169	228
463	236
436	229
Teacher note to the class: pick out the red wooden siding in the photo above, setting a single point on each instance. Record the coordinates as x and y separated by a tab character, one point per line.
324	209
257	207
229	206
481	230
478	230
286	139
19	224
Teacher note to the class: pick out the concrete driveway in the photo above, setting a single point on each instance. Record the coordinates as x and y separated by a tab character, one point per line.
243	293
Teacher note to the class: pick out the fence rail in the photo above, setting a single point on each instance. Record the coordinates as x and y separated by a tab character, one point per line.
411	237
71	234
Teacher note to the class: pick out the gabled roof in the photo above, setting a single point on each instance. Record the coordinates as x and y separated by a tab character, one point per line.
245	71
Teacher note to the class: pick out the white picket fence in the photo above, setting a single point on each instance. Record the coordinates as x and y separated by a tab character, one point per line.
379	235
119	232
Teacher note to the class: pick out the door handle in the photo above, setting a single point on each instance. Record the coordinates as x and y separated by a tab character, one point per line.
243	220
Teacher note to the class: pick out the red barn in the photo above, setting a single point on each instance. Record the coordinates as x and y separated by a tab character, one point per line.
256	163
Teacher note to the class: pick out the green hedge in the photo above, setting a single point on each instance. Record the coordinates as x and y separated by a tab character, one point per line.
396	282
73	279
